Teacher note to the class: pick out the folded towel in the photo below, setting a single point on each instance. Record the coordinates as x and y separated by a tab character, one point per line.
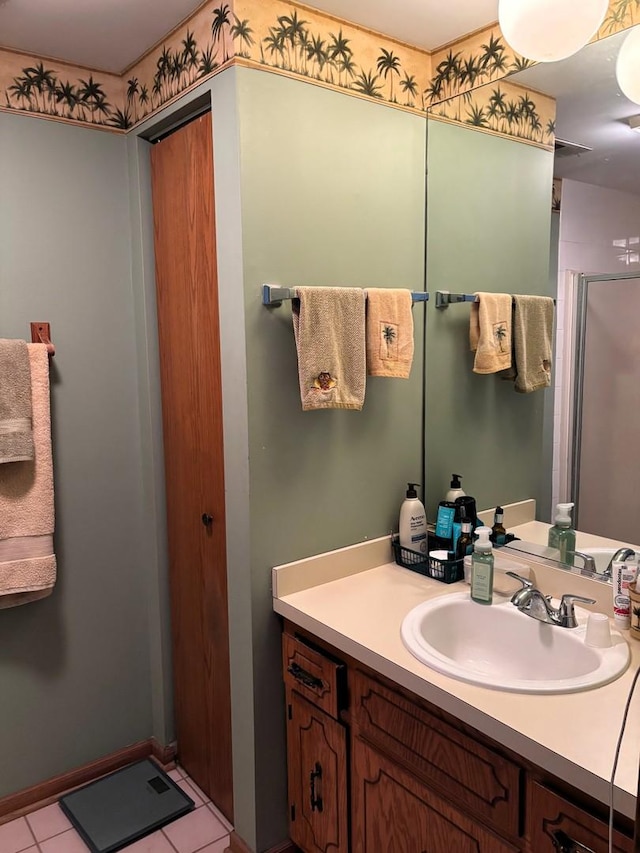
490	332
532	335
27	561
329	326
16	437
389	332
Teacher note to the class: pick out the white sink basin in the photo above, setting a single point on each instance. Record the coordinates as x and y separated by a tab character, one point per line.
497	646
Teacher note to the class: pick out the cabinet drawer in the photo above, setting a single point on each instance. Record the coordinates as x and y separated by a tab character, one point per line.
313	674
554	824
393	812
469	774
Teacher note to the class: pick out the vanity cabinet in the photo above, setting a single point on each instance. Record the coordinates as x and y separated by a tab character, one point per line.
316	748
373	768
392	811
558	826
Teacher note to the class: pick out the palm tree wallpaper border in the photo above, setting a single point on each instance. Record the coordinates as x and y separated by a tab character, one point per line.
292	39
506	109
58	90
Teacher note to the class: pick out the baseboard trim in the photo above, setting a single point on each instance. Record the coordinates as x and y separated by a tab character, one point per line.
44	793
237	845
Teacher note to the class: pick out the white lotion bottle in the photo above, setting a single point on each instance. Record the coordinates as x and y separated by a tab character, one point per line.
413	522
455	490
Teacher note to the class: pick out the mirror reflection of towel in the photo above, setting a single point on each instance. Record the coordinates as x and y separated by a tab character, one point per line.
490	332
532	335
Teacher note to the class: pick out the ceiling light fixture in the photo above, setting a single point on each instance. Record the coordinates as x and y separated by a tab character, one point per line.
549	30
628	66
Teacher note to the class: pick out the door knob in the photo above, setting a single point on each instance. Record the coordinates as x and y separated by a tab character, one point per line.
207	519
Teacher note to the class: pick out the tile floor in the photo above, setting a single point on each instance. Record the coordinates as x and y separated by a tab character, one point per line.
48	830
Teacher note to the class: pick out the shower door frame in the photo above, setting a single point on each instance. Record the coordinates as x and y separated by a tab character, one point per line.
582	282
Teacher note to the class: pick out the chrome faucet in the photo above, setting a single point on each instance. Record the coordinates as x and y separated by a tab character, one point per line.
589	562
531	601
621	554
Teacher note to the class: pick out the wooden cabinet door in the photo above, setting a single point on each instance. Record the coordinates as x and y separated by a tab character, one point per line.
557	826
317	768
395	813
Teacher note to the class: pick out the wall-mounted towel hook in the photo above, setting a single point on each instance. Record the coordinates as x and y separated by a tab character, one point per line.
41	334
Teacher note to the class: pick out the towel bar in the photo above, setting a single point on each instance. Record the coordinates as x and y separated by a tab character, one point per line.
274	295
444	298
41	334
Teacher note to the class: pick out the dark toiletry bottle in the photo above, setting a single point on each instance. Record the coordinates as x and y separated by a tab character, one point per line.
498	533
465	540
469	505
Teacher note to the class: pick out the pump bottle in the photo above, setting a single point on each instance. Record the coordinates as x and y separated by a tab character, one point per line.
482	568
562	536
464	545
498	532
413	522
456	490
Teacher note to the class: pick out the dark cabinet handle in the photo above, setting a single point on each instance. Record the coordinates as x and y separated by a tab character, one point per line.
207	519
564	844
316	799
305	677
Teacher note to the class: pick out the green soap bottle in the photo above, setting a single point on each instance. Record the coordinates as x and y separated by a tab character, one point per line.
562	536
482	568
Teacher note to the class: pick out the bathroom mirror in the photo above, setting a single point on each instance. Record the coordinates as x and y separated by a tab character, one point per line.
491	227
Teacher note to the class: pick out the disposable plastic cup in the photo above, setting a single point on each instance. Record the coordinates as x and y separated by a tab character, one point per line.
598	632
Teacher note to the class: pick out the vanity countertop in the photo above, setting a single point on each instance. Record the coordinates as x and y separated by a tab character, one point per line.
538	533
356	598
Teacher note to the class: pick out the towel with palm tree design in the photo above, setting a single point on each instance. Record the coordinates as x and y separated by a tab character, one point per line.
389	332
490	332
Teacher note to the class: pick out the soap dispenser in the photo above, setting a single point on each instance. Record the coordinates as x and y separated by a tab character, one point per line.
456	490
562	536
413	521
482	568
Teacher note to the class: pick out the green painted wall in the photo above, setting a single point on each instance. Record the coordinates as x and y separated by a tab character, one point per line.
74	668
488	227
332	194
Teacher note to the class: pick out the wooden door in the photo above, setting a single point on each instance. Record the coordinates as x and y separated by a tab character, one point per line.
188	323
394	812
317	772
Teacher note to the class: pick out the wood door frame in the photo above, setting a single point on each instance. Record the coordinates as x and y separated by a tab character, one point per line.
221	97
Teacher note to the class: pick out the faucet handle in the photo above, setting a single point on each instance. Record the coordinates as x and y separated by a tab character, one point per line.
588	559
566	611
526	583
521	595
